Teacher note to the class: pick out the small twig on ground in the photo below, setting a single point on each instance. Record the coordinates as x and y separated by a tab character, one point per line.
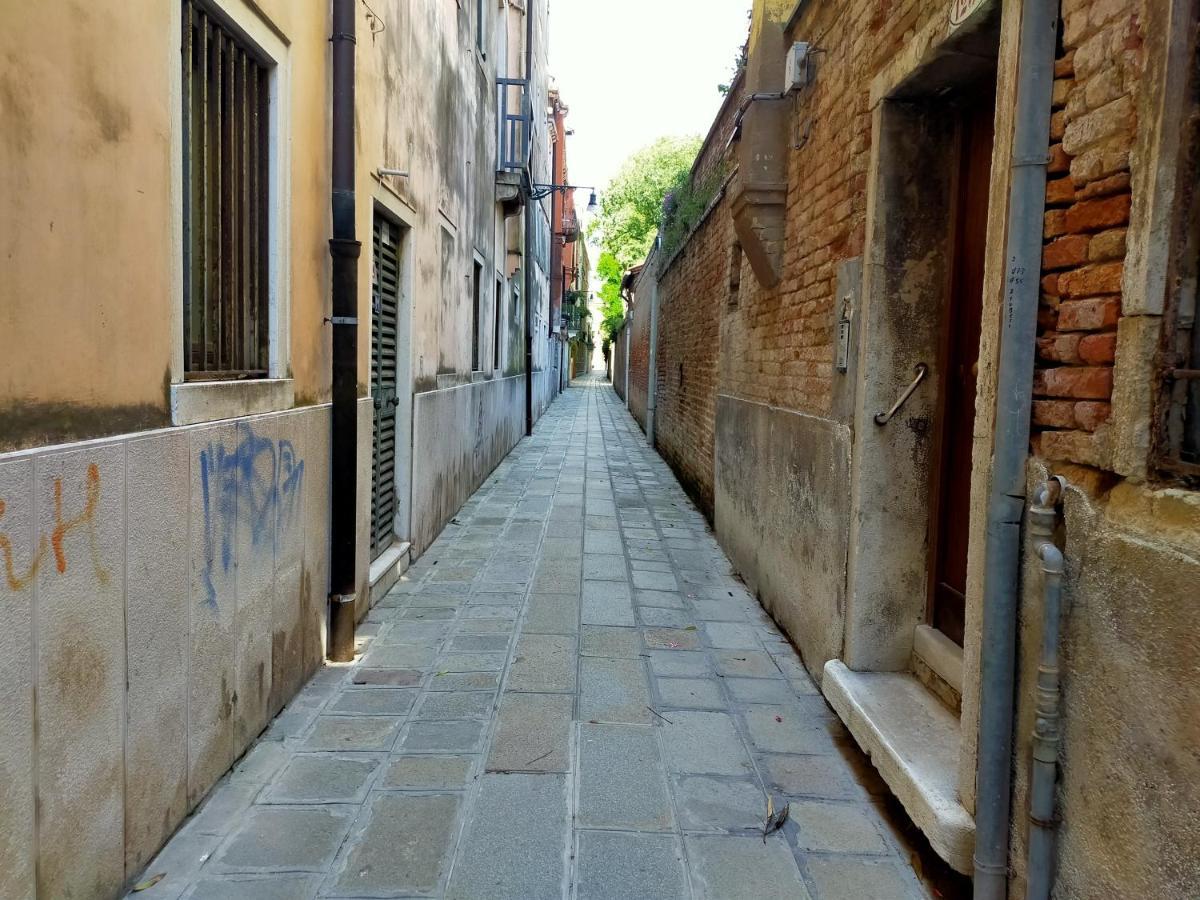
660	715
540	758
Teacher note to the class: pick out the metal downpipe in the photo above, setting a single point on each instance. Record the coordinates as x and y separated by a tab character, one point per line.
344	250
1042	823
1027	198
527	259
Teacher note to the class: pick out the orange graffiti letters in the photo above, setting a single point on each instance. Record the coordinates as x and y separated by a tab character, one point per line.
62	528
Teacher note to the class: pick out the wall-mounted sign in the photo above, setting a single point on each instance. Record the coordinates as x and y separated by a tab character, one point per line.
961	10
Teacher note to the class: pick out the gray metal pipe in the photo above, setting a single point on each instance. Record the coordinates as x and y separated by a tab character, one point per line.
527	258
1014	390
1042	823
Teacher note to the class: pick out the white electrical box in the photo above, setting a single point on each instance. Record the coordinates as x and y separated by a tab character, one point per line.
796	74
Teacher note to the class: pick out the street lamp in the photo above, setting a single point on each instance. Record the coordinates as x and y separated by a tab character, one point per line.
541	191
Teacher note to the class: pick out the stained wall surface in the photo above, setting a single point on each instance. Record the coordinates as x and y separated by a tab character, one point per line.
166	596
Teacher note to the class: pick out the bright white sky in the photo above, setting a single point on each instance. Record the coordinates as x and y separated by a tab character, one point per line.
632	71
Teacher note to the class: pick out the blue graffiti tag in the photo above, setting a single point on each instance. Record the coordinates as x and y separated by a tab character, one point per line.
259	484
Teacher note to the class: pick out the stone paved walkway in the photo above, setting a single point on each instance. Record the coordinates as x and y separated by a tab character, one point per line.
569	696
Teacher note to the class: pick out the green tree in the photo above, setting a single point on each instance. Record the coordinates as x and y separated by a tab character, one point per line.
612	307
630	213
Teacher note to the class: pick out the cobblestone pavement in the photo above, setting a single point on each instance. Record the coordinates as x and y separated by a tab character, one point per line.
569	696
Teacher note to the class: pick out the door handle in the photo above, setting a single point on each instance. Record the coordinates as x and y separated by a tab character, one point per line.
920	372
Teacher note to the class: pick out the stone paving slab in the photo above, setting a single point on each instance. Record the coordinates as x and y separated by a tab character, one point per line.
568	696
621	779
515	845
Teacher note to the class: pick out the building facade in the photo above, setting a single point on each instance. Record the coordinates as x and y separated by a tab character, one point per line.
932	225
165	372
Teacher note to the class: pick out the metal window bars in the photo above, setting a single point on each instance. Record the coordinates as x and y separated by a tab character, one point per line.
225	195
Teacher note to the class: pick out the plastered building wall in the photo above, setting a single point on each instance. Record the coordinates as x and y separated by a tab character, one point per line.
428	105
92	256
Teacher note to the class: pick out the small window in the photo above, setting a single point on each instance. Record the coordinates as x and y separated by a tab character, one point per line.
496	324
1178	447
735	273
476	303
226	293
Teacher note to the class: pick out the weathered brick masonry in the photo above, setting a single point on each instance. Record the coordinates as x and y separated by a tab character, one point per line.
1088	202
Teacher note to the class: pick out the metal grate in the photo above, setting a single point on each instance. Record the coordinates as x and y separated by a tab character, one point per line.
225	179
385	304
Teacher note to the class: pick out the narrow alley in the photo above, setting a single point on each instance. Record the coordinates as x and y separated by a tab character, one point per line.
570	695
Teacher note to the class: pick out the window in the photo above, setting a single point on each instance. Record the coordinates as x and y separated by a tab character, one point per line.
226	290
476	303
496	325
1178	446
735	273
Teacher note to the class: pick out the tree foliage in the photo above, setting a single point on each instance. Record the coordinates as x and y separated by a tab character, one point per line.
630	213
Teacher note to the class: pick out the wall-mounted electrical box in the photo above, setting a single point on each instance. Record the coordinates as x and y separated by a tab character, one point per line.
797	73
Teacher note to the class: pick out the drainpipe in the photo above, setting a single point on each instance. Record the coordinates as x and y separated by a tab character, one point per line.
1042	824
344	250
652	374
529	221
628	341
1014	389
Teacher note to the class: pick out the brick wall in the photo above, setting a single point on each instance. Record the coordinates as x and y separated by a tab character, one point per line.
1088	202
639	348
617	362
689	311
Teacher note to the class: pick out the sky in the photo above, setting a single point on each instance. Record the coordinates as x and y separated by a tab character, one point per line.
631	71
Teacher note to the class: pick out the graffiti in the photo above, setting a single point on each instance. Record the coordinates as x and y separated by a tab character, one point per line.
56	542
258	484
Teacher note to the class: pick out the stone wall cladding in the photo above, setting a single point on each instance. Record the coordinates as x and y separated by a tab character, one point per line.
1088	202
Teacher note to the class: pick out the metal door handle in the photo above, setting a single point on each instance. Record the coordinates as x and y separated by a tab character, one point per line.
920	372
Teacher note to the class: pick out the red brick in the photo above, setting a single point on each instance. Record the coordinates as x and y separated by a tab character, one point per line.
1060	348
1050	286
1060	191
1091	414
1101	278
1071	250
1113	184
1060	163
1098	349
1054	413
1055	223
1093	215
1058	126
1078	382
1065	67
1090	314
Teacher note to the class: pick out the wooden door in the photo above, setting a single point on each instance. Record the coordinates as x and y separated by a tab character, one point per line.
952	495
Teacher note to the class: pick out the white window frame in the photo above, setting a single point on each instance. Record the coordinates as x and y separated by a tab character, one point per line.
207	401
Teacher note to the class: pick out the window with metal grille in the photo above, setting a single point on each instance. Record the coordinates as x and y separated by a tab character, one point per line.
225	200
1178	445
